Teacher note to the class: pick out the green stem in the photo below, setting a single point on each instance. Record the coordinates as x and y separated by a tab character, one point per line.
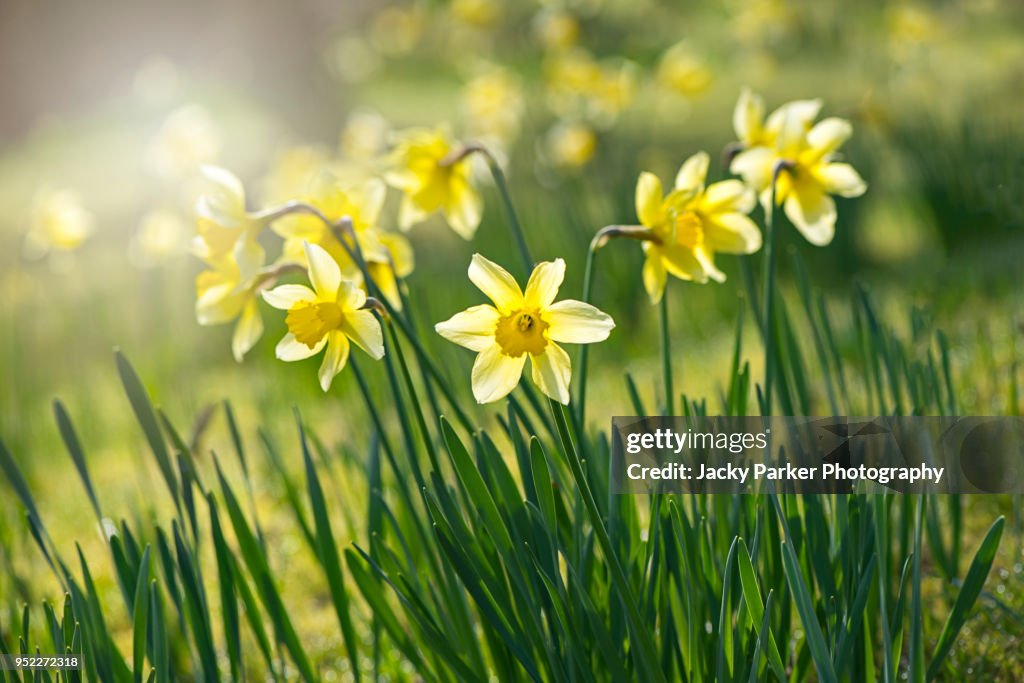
510	212
639	629
584	353
666	357
768	287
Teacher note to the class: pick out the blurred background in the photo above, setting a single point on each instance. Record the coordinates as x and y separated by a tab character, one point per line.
109	108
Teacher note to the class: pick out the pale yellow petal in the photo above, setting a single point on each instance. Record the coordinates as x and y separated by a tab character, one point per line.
371	201
654	275
496	282
552	372
291	349
351	296
473	328
576	322
544	282
813	213
649	198
495	375
284	297
464	209
748	116
732	233
334	359
410	213
841	179
248	330
755	167
682	263
727	196
706	259
324	272
218	304
693	172
363	328
796	116
828	135
400	251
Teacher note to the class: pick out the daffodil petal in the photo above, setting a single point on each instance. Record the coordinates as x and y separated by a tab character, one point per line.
371	200
544	282
291	349
363	328
828	135
552	372
754	166
732	233
351	296
693	172
649	198
576	322
473	328
400	251
218	304
748	116
248	330
324	272
496	282
464	209
728	195
813	213
495	375
683	264
841	179
334	360
249	256
284	297
654	275
410	213
707	262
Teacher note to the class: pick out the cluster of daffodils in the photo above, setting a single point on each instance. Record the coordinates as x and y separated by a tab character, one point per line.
786	156
329	215
334	232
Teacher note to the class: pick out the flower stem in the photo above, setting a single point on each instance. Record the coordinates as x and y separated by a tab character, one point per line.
584	353
666	357
768	286
506	199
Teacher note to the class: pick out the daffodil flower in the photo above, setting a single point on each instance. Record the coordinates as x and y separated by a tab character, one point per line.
421	168
59	223
804	153
329	315
222	219
388	255
691	224
521	325
227	291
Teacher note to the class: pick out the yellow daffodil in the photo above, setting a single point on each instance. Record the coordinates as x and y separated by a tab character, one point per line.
387	254
805	154
327	316
492	105
58	223
227	291
222	219
753	130
691	224
521	325
682	71
420	169
187	140
570	144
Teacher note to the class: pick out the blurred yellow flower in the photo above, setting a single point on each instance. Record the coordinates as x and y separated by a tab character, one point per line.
520	325
805	155
364	136
397	30
571	144
682	71
421	168
492	105
188	139
556	28
691	224
387	254
478	13
580	87
58	223
328	315
222	221
293	171
161	234
227	291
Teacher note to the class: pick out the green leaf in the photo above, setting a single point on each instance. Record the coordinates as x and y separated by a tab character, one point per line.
140	618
